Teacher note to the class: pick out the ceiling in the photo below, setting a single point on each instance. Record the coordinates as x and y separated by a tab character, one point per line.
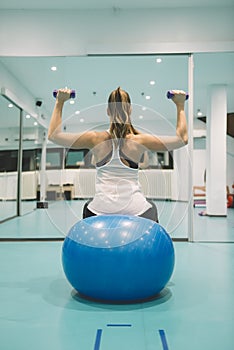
104	4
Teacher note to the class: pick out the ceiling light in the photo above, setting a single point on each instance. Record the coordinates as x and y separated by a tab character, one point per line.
10	105
199	113
35	123
143	108
28	116
152	82
147	97
77	112
82	120
141	117
72	102
158	60
53	68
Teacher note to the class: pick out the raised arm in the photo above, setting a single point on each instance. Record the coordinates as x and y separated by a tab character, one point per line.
181	126
55	133
162	143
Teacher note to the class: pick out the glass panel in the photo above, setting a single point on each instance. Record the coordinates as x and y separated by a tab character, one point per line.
69	174
9	144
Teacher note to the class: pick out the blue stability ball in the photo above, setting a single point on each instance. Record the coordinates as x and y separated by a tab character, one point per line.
118	258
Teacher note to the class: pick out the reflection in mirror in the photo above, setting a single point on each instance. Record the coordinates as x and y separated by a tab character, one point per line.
31	146
9	145
70	174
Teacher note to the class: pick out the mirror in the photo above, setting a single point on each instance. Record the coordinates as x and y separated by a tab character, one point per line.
143	76
9	145
70	174
30	148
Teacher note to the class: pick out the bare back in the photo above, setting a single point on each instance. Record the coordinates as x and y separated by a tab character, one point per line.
130	150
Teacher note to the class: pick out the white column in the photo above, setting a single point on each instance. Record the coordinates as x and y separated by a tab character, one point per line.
216	151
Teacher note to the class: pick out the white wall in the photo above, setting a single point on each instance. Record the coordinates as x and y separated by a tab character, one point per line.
67	32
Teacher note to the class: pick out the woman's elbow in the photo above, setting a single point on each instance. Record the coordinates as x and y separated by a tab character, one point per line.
51	136
185	139
182	139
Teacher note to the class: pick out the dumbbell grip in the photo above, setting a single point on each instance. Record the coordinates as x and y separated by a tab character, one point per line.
170	94
72	94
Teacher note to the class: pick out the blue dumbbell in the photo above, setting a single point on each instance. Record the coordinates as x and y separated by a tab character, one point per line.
72	94
170	94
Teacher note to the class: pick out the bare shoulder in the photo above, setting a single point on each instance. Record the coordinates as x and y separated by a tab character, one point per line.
151	142
99	137
87	139
138	138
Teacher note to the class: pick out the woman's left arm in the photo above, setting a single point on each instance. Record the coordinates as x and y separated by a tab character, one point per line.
161	143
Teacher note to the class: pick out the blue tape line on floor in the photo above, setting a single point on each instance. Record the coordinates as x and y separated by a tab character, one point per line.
98	339
119	325
163	339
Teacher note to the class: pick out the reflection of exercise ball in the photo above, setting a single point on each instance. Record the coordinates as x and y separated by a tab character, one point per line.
118	258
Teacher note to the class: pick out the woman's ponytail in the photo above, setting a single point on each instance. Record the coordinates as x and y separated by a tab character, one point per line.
119	106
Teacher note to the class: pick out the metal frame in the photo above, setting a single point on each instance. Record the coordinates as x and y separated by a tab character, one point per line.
190	146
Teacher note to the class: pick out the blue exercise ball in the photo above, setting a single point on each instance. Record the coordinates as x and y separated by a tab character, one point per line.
118	258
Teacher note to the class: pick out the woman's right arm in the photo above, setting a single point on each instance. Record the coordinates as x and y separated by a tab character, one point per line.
55	133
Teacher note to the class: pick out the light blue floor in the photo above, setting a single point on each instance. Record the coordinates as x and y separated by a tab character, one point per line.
214	229
61	215
39	309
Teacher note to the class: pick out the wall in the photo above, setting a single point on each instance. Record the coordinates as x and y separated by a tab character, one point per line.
67	32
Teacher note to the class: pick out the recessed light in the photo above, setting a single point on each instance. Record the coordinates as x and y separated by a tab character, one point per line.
199	113
147	97
143	108
35	123
28	116
77	112
158	60
82	120
152	82
10	105
72	102
53	68
141	117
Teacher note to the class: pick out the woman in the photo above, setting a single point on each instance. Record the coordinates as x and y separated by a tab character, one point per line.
117	154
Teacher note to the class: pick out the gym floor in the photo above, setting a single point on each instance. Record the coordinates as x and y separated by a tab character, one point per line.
40	310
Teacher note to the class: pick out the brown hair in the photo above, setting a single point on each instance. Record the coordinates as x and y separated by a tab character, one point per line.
119	106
